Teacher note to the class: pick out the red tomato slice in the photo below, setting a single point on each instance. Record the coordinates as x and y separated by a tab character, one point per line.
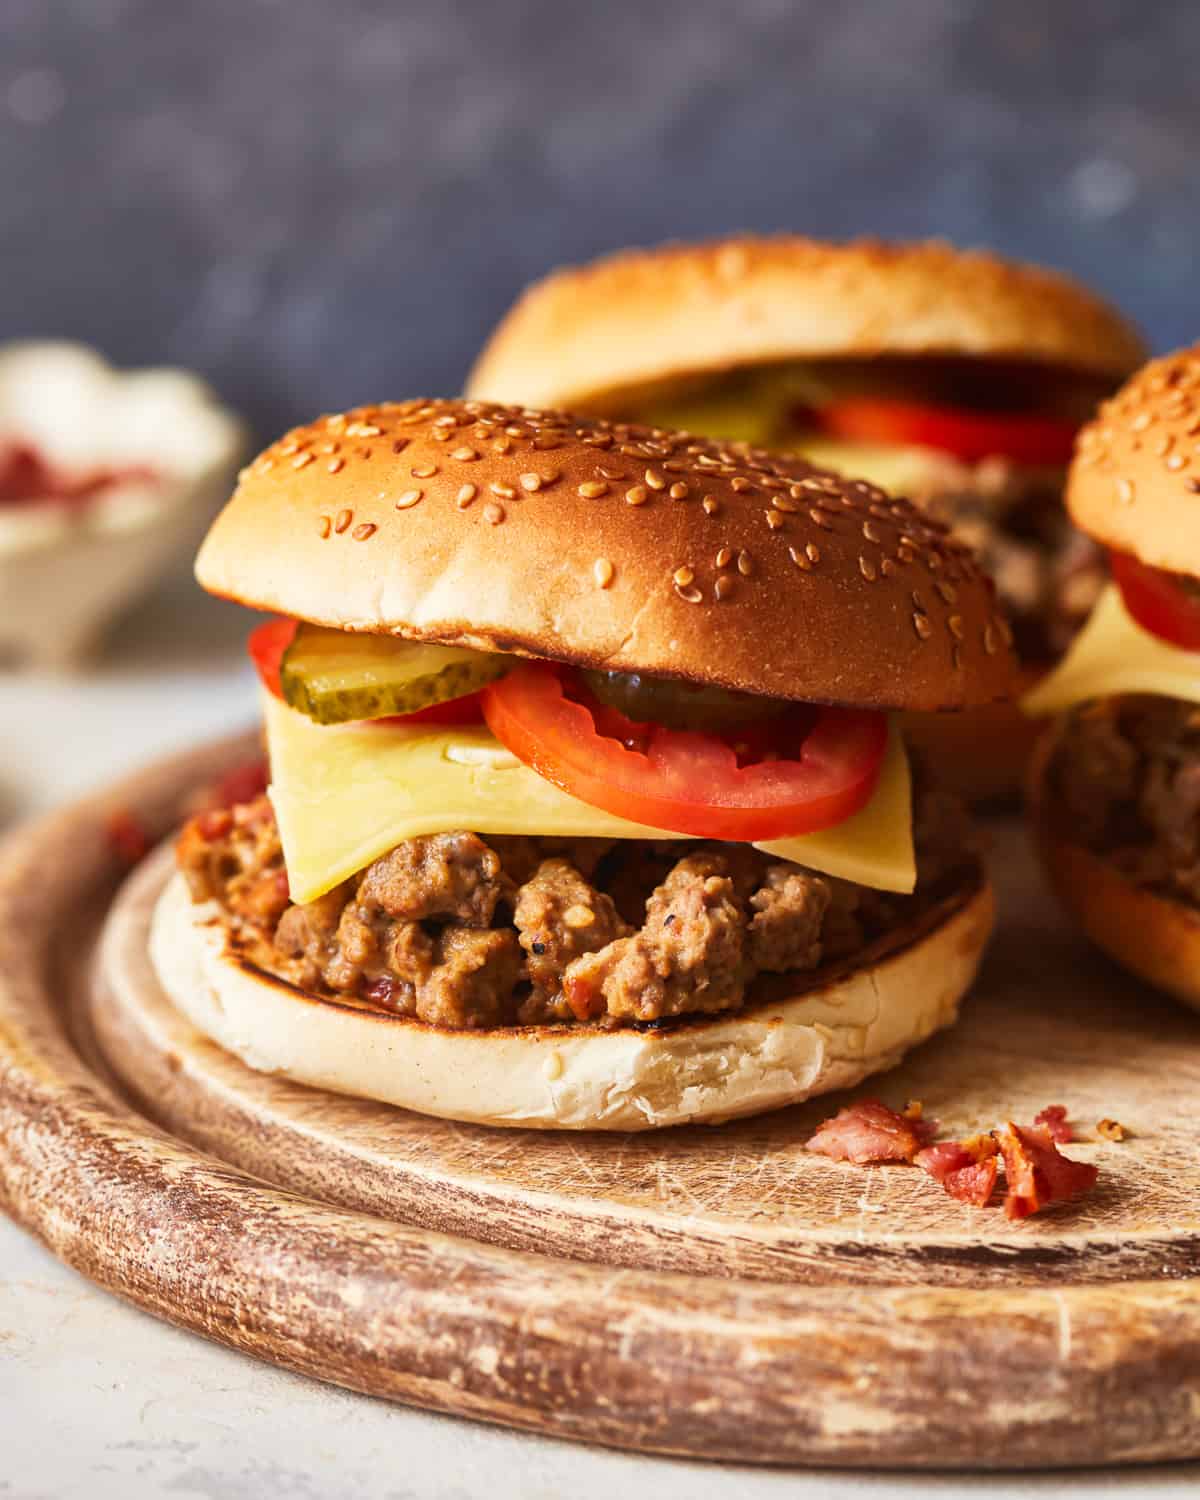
969	435
1156	601
266	645
270	640
686	781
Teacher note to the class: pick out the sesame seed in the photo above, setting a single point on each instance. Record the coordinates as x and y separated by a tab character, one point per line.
812	552
745	564
592	489
711	505
361	533
531	482
724	557
679	491
989	639
637	495
301	459
493	513
774	520
609	473
579	916
369	430
289	445
690	595
740	485
655	480
408	499
502	491
423	471
344	517
867	568
399	445
445	421
683	576
335	465
465	496
325	525
799	559
921	625
946	591
502	445
786	503
1125	491
723	587
1175	462
887	567
465	455
955	625
818	518
870	533
602	572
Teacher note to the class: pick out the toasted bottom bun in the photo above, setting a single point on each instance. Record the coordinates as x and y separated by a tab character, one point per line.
1152	936
982	754
847	1024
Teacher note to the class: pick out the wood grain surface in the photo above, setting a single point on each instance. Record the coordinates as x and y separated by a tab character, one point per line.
709	1292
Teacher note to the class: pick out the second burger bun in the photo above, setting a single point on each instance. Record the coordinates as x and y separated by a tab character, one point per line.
1134	484
644	316
1150	935
835	1030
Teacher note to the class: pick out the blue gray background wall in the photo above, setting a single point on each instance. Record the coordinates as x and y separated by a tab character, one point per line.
320	201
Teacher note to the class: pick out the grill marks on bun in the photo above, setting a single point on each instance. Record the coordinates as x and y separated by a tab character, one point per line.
1135	480
611	545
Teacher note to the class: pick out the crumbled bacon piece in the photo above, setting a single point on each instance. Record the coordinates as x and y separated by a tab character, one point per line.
923	1129
867	1131
127	838
1037	1174
966	1169
1053	1120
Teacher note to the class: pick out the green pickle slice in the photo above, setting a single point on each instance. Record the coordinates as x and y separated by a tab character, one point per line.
334	676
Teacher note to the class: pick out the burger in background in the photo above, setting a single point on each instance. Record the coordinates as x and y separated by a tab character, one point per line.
1116	783
952	377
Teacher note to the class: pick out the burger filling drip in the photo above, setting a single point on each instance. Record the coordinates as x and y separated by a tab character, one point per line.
1125	783
466	932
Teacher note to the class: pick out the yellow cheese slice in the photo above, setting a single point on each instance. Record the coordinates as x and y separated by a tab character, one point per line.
895	467
345	794
1112	654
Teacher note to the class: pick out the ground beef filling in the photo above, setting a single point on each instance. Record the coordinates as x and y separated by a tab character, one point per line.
462	931
1125	782
1048	576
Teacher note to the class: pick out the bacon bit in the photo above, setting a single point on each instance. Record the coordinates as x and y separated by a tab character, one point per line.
923	1129
127	838
966	1169
1037	1174
867	1131
1053	1120
1111	1130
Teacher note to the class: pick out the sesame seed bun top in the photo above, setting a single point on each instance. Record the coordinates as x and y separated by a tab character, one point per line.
611	546
649	315
1135	480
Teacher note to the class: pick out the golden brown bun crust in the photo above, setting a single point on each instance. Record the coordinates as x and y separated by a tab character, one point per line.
1153	937
1135	480
513	530
983	754
647	315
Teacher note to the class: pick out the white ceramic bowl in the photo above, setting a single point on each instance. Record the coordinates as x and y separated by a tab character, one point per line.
67	567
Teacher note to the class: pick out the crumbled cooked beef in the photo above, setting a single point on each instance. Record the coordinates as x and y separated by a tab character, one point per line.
1048	576
462	931
789	909
558	917
454	876
689	956
1126	781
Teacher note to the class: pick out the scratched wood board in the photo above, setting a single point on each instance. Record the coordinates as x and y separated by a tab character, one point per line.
709	1291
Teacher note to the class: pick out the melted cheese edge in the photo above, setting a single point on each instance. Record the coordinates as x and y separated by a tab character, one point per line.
344	795
1112	654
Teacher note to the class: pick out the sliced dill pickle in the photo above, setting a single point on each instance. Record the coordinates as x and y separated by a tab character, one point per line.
680	705
334	676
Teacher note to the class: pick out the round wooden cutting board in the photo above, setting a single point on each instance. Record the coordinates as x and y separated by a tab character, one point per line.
709	1291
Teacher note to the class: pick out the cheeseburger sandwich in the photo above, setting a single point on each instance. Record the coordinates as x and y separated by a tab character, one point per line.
587	803
955	378
1116	783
